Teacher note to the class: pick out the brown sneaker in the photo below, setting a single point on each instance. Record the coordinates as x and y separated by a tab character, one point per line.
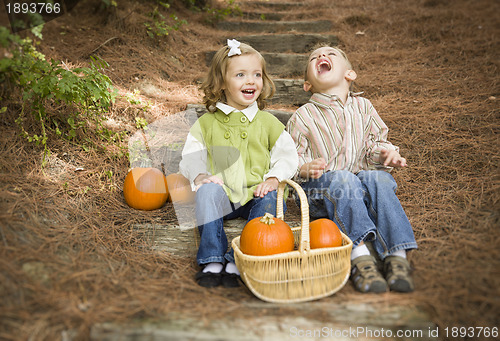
365	276
397	274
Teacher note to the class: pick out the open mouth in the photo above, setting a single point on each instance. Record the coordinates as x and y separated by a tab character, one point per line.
323	66
248	92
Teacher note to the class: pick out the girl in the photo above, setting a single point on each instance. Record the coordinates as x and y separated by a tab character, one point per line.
235	156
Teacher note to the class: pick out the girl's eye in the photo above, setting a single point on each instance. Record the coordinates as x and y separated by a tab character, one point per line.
258	74
239	74
312	58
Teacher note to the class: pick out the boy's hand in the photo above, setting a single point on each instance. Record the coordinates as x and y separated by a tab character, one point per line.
205	179
313	169
391	158
265	187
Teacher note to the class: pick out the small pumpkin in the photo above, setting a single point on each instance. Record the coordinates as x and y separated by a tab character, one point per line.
179	188
324	233
145	188
266	235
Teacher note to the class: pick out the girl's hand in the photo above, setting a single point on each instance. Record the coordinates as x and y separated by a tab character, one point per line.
205	179
313	169
391	158
265	187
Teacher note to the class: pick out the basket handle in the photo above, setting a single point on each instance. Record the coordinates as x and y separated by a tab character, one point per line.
304	245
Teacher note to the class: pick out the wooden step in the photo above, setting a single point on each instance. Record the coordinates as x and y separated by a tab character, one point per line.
272	5
321	319
290	92
285	64
295	43
261	15
276	26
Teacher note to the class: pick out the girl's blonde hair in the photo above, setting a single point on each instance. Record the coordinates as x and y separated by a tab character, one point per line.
212	86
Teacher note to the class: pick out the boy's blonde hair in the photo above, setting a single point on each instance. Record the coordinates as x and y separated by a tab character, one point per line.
320	45
213	84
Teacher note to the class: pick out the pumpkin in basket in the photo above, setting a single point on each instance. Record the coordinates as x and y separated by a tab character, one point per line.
179	188
324	233
145	188
266	235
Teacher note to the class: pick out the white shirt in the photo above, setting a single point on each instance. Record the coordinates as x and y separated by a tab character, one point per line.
284	158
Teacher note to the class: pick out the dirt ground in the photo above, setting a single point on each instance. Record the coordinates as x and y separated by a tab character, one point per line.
69	257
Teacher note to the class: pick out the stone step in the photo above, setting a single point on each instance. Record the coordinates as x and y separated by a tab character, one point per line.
290	92
181	239
285	64
271	5
316	320
276	26
295	43
261	15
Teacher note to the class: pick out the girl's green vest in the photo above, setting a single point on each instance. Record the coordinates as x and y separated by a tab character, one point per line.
238	150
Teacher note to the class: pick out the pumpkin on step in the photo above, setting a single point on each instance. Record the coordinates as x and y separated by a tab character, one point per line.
179	188
145	188
266	235
324	233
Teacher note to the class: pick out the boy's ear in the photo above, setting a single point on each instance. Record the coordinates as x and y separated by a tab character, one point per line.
307	86
350	75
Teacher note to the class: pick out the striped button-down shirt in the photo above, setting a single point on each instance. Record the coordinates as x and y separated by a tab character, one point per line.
348	136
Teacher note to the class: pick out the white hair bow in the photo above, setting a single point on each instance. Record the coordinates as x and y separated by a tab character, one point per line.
234	46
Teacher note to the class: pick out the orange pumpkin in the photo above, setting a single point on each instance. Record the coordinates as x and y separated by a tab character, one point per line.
145	188
324	233
266	236
179	188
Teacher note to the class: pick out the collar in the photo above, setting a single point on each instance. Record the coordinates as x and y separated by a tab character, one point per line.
249	111
326	100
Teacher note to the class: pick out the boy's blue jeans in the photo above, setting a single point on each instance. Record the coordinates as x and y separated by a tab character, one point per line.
212	207
364	206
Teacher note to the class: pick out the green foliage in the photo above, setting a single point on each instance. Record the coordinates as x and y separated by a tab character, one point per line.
56	101
109	3
216	15
141	123
134	99
159	27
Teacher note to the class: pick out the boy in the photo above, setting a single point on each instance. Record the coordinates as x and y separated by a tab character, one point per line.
344	165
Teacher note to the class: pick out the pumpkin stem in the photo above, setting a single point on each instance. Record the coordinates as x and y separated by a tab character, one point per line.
267	219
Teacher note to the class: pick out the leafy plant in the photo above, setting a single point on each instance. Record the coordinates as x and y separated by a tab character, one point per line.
109	3
216	15
134	99
159	26
141	123
56	101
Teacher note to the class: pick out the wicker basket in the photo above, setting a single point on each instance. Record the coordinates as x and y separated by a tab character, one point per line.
300	275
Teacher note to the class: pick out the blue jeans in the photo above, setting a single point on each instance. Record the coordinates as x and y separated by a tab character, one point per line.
212	208
364	206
